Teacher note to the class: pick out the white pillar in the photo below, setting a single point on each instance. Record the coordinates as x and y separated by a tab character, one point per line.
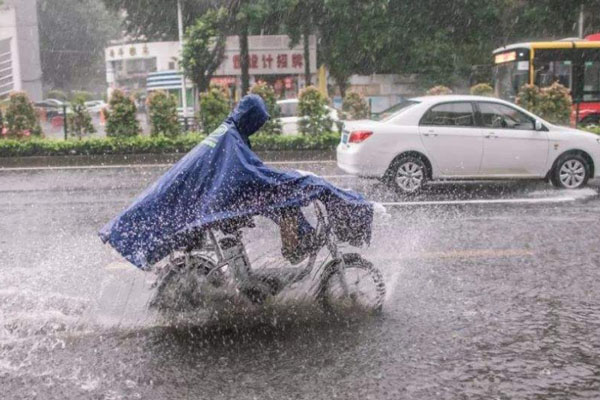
183	83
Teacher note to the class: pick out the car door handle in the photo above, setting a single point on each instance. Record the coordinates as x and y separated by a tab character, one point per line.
491	135
430	133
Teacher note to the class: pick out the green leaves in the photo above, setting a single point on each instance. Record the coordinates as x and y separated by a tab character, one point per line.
21	116
315	115
159	144
204	47
121	116
162	109
214	108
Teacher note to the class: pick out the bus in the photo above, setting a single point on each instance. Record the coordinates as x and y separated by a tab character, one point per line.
574	63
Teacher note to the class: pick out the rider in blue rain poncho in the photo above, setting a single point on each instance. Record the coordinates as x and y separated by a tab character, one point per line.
222	183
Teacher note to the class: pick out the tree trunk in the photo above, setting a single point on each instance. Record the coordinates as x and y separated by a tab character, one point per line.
342	85
307	77
244	58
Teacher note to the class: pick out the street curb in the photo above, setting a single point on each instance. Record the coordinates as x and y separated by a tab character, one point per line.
125	159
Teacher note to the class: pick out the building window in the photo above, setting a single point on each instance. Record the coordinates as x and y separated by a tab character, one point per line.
172	65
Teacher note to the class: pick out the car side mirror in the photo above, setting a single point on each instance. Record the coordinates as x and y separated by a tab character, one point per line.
538	125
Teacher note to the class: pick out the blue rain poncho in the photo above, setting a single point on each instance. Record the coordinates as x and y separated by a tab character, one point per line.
222	182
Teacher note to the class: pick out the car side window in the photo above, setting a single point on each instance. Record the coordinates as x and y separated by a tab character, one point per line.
450	114
500	116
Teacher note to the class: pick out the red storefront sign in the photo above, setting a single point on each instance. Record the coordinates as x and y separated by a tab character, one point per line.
271	61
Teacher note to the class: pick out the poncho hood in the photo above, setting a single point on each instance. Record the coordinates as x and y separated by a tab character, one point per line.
249	116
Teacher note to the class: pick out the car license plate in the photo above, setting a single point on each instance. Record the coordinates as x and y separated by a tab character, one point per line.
345	137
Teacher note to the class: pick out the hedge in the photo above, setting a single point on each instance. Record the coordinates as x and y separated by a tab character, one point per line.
154	145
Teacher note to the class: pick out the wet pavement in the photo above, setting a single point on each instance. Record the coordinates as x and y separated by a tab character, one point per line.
493	293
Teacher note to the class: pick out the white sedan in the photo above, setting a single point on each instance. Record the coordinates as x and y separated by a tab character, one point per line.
290	116
466	137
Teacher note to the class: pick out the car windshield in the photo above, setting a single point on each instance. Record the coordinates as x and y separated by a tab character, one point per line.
394	111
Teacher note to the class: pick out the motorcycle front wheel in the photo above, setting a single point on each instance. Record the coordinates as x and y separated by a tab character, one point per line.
360	287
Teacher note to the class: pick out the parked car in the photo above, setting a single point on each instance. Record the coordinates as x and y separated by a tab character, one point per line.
290	116
466	137
94	107
52	107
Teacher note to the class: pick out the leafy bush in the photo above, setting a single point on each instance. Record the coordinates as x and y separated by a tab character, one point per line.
355	106
121	116
482	89
312	107
80	122
273	126
154	145
214	108
162	108
552	103
529	97
21	116
555	105
57	94
439	90
592	128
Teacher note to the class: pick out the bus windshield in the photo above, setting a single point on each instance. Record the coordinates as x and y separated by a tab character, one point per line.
509	78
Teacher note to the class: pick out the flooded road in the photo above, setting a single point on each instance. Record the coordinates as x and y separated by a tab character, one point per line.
487	299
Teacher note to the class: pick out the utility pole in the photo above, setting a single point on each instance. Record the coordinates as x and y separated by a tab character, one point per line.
183	83
581	21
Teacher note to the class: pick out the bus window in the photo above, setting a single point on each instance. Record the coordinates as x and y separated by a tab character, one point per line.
591	81
548	72
509	78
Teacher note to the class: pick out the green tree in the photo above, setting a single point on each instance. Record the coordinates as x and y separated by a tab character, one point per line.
80	121
73	35
214	108
21	116
162	108
121	118
355	106
273	126
204	48
157	20
312	107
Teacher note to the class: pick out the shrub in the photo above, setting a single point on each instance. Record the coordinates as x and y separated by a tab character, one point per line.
214	108
162	109
355	107
80	122
555	105
439	90
57	94
529	97
21	116
313	111
273	126
482	89
552	103
155	145
121	116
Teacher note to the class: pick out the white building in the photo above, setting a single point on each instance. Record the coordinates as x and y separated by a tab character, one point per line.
20	66
152	66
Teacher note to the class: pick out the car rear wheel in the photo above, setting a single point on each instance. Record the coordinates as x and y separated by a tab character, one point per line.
409	175
572	171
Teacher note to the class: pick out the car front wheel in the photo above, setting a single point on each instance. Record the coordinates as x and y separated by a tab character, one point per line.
409	174
572	172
